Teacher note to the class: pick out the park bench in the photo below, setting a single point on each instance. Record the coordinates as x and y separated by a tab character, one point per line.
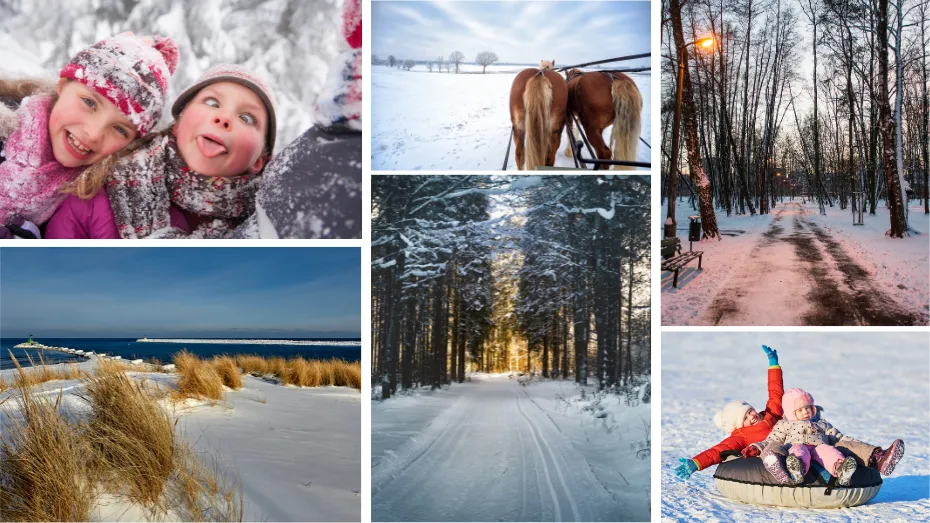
673	259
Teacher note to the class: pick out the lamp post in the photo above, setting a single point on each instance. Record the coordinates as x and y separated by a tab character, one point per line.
704	43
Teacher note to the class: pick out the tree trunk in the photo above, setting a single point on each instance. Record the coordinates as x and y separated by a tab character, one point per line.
898	227
689	119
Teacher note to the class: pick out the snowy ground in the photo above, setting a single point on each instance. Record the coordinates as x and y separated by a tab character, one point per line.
797	267
873	386
493	450
442	121
296	451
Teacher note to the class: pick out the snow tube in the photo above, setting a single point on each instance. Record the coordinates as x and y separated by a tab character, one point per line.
746	480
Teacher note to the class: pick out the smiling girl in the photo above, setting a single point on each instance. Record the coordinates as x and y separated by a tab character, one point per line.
109	95
197	178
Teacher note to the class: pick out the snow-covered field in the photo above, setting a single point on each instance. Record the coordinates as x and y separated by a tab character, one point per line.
296	451
441	121
873	386
899	268
493	450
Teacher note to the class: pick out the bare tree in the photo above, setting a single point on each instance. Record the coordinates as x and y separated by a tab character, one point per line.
896	204
456	58
689	120
439	61
485	58
429	66
391	60
408	64
375	60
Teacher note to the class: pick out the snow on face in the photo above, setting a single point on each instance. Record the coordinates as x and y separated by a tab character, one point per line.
221	131
83	121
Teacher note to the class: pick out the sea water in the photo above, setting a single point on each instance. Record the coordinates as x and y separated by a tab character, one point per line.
131	349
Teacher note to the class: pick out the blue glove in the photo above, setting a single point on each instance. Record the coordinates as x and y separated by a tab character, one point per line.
772	354
687	467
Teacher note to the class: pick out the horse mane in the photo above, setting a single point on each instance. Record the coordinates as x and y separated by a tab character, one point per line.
547	64
571	73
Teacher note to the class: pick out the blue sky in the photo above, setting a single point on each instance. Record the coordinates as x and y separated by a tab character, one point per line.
172	292
518	32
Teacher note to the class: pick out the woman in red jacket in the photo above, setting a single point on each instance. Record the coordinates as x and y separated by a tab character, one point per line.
744	423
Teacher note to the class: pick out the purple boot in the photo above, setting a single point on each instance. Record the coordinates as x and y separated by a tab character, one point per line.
885	460
776	467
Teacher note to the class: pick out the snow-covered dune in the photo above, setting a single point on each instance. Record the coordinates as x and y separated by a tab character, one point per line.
296	451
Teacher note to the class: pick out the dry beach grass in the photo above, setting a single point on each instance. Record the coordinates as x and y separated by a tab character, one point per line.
304	373
45	471
196	378
133	437
41	373
54	464
228	371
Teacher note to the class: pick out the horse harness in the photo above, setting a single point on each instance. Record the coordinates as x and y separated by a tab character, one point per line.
610	74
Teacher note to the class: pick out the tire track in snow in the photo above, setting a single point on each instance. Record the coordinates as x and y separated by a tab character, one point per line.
388	471
538	437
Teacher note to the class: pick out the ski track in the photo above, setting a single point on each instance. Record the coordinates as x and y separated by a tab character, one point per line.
465	469
802	277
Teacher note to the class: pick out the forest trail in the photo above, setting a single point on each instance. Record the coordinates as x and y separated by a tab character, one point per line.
489	453
798	274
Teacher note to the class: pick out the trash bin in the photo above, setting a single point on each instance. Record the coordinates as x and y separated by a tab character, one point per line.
694	229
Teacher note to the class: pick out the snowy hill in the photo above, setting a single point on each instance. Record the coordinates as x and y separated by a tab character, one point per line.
874	387
291	42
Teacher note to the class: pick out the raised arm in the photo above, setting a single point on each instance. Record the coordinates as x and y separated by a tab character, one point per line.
773	409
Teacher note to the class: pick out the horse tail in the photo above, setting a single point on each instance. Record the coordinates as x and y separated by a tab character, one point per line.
537	102
628	107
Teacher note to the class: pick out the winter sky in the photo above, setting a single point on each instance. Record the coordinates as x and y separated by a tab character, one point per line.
518	32
180	292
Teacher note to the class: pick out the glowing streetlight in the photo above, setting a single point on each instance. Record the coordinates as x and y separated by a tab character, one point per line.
707	44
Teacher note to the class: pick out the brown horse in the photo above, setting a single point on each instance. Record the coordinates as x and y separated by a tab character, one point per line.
537	111
603	98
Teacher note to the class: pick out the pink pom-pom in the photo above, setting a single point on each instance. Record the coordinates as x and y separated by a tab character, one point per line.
352	23
168	50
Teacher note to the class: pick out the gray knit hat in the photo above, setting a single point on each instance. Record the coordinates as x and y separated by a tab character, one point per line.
242	76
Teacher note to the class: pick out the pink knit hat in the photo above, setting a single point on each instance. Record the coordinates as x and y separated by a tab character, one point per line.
131	72
793	400
242	76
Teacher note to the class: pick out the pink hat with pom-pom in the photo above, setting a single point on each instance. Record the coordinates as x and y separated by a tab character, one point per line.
131	72
793	400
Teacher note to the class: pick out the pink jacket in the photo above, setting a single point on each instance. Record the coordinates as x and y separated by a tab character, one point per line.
77	218
31	177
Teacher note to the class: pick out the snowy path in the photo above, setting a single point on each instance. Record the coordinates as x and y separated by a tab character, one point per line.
486	451
798	274
703	371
